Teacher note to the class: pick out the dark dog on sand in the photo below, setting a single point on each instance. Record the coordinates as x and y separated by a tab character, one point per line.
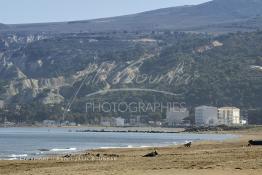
152	154
188	145
254	142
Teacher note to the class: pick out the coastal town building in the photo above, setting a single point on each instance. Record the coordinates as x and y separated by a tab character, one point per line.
155	123
135	120
119	122
105	122
50	123
2	104
229	116
68	123
206	116
243	122
176	116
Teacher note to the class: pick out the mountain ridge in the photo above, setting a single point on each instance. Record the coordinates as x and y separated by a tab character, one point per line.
182	18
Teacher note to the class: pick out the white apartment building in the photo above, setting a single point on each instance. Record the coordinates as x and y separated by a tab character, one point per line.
206	116
229	116
176	116
119	122
2	104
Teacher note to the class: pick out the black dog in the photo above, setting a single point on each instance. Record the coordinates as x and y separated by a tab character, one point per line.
188	145
152	154
254	142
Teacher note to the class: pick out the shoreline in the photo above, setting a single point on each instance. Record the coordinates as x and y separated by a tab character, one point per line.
109	129
74	152
228	157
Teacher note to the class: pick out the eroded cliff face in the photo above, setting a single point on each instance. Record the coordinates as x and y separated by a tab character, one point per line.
35	87
106	74
17	83
33	53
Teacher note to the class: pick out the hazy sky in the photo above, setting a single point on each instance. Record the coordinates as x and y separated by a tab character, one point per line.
32	11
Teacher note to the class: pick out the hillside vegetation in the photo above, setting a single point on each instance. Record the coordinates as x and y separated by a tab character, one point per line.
203	69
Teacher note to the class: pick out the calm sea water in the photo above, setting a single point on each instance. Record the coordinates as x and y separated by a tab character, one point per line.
19	143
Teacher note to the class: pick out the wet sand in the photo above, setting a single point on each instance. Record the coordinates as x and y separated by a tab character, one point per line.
204	158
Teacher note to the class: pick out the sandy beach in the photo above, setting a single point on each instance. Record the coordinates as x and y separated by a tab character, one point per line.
229	157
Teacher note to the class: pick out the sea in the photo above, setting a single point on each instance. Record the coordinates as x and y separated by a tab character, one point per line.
25	143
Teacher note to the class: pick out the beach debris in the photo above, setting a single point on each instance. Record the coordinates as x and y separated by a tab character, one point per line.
68	156
152	154
43	150
110	155
254	142
87	154
188	145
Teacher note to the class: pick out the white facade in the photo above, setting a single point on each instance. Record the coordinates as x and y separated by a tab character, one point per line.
2	104
243	122
119	122
176	116
49	123
107	122
206	116
229	116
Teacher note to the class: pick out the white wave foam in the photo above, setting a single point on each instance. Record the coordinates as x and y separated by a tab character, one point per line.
111	147
10	159
145	146
188	141
17	155
63	149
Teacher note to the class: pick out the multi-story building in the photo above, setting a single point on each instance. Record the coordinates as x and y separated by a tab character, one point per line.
229	116
176	116
119	122
2	104
206	116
